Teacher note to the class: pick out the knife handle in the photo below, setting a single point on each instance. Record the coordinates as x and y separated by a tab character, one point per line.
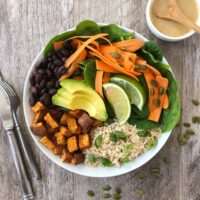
26	149
19	164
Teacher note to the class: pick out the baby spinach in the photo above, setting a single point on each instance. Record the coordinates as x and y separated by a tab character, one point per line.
87	27
116	33
140	114
63	36
105	162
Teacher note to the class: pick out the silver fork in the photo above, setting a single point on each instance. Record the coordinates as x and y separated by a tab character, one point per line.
15	103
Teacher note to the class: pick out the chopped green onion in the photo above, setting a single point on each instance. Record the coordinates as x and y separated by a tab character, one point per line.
113	137
91	158
143	133
98	141
152	144
105	162
120	135
127	148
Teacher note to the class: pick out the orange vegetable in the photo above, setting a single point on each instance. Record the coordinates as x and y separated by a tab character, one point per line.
166	102
75	55
58	45
80	77
98	83
106	77
156	112
130	45
104	67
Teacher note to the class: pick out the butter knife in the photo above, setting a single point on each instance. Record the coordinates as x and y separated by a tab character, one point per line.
8	124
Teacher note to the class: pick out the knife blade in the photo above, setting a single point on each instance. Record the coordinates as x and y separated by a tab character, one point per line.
5	111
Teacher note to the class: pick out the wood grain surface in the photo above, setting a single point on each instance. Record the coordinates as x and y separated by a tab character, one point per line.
25	27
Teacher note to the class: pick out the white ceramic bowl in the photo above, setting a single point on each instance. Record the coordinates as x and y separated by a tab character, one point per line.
162	36
83	169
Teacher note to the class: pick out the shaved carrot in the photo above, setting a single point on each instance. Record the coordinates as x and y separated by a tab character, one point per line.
166	102
106	77
130	45
98	83
104	67
79	77
74	65
75	43
58	45
74	56
155	113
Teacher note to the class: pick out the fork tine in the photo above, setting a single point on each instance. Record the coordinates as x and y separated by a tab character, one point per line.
4	88
9	88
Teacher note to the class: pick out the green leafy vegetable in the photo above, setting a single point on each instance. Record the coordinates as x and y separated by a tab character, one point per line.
83	63
87	27
143	133
127	148
152	144
90	73
91	158
98	141
124	160
120	135
105	162
116	33
113	137
140	114
61	37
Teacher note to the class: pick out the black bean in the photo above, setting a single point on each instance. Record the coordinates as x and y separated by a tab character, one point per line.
56	70
49	54
57	62
41	71
59	55
32	79
49	73
52	91
43	90
50	59
38	67
34	91
49	65
44	63
38	78
64	59
46	98
61	69
50	84
58	76
37	85
64	52
77	72
57	84
32	101
35	72
42	83
67	45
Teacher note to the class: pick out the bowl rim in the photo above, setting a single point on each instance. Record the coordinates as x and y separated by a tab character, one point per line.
162	35
99	172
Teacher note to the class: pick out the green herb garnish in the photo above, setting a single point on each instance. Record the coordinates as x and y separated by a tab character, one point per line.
124	160
127	148
98	141
106	187
91	158
105	162
90	193
120	135
113	137
152	144
143	133
195	102
186	124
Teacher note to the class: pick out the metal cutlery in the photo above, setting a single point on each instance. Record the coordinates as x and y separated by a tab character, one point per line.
8	124
14	102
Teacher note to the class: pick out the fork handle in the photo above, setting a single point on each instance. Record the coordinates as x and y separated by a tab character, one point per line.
26	149
19	164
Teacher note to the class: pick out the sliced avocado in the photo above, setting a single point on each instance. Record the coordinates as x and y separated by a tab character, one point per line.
60	101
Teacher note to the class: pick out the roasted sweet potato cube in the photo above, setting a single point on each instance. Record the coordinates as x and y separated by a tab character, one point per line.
78	131
72	144
58	150
85	120
66	156
84	141
47	142
50	121
38	129
38	107
60	139
78	158
65	131
63	119
56	114
85	130
75	113
50	130
72	125
39	117
96	123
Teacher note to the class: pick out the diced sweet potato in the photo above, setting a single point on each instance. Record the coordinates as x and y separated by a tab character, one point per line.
78	158
85	130
50	121
96	123
56	114
65	131
66	156
47	142
63	119
60	139
84	141
78	131
72	144
50	130
58	150
38	129
38	107
75	113
85	121
39	117
72	125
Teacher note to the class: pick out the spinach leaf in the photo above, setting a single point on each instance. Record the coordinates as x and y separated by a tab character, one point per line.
83	63
90	73
63	36
143	83
120	135
143	124
140	114
154	50
143	133
87	27
116	33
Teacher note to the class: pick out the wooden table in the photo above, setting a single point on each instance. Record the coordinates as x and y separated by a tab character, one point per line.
25	27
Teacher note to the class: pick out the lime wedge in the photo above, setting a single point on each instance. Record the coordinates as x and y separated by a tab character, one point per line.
133	89
119	100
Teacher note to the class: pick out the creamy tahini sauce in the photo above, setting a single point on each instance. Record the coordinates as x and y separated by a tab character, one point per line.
174	29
